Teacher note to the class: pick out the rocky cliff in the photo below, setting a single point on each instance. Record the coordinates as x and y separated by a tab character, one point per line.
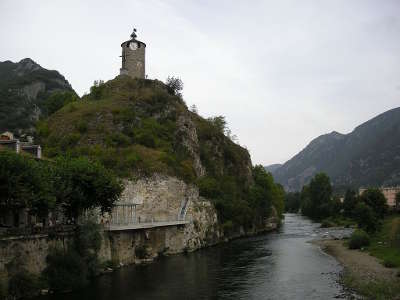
25	88
138	128
369	155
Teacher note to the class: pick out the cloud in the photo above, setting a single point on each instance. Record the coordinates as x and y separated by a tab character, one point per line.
281	72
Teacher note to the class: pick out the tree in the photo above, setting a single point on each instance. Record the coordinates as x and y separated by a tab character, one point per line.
174	86
82	184
219	123
365	217
265	193
398	200
57	100
349	203
336	206
194	109
374	198
96	91
292	202
317	198
24	183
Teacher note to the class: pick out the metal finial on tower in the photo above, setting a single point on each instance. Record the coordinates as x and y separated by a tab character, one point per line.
133	35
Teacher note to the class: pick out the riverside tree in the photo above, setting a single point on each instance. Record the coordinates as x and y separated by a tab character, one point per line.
349	203
316	198
74	184
375	199
24	183
82	185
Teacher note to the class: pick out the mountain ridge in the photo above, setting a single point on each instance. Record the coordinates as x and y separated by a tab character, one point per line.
369	155
25	89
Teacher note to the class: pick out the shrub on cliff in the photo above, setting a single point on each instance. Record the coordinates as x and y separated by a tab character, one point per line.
87	243
72	268
3	287
359	239
23	285
65	271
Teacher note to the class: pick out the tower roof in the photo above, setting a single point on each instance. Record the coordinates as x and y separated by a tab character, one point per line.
133	38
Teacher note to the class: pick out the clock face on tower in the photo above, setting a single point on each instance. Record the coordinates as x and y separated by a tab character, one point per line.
133	46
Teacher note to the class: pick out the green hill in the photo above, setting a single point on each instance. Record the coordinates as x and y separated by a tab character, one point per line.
25	94
138	127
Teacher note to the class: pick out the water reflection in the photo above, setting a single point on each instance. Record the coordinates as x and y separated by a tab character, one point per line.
275	266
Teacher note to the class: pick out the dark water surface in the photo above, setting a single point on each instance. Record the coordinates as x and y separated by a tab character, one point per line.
273	266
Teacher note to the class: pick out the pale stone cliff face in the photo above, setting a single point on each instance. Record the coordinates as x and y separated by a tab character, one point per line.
163	198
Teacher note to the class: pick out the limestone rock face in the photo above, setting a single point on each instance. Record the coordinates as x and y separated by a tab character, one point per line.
187	136
162	198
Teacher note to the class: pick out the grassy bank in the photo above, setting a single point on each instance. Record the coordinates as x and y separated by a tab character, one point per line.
337	221
373	289
374	272
385	244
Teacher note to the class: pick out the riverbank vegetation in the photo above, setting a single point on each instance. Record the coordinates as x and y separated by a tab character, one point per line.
385	243
45	189
72	267
377	233
68	268
71	185
318	202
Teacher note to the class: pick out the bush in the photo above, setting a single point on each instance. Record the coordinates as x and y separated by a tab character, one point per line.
82	126
65	271
87	244
3	288
389	263
141	252
208	187
327	223
359	239
23	285
227	226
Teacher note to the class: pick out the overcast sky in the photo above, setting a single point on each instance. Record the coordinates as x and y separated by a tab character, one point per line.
282	72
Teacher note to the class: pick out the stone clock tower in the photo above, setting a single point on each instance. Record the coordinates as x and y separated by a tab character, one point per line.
133	57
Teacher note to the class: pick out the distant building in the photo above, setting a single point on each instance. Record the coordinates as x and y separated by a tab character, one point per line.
133	57
34	150
388	192
7	140
6	136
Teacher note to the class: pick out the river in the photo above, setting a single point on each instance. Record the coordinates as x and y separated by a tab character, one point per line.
282	265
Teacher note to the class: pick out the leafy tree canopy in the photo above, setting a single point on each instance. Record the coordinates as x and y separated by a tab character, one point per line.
82	184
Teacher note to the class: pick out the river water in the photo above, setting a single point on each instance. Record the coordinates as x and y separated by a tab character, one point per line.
282	265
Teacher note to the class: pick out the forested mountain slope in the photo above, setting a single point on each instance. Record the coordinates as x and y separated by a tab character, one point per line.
369	155
25	94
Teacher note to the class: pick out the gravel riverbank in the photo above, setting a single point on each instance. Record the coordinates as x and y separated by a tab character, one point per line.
363	272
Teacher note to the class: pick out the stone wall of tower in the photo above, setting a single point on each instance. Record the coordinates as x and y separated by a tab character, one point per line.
133	61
